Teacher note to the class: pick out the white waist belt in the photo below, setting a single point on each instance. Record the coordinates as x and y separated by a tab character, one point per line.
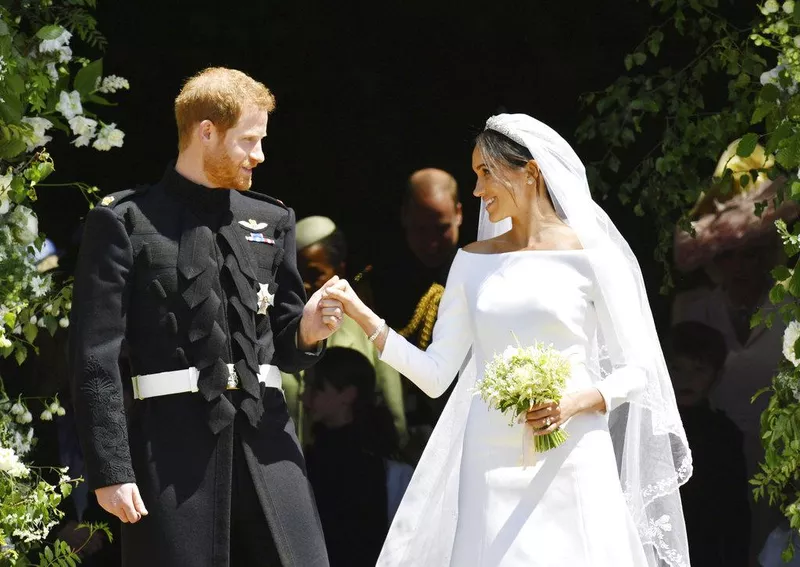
182	381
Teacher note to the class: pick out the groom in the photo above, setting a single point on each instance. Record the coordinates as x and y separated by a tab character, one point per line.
192	285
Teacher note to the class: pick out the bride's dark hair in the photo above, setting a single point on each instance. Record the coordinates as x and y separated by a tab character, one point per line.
498	149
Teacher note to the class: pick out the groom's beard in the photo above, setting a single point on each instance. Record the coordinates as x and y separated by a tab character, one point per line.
222	171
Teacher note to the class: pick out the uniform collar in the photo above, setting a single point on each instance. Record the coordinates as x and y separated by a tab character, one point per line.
194	195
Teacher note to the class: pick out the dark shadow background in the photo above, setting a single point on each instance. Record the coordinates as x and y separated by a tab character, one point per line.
367	92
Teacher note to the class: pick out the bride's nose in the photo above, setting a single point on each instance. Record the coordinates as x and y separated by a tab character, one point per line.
478	191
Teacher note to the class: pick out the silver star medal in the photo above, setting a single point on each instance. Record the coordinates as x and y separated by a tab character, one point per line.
265	299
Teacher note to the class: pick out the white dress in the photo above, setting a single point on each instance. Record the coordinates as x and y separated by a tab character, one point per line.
568	509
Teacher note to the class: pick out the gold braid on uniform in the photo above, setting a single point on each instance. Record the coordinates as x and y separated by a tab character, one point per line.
424	316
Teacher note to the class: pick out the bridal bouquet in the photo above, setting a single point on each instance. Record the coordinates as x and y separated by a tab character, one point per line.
523	377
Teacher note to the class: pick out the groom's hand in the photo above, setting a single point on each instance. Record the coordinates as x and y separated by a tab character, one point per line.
123	501
320	318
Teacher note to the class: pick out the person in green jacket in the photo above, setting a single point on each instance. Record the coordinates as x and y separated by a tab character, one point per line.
322	250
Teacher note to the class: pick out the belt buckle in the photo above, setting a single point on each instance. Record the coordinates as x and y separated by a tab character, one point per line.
233	379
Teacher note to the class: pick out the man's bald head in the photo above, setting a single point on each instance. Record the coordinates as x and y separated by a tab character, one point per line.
432	216
430	182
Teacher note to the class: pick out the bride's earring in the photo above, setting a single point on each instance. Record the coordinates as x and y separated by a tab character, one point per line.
530	180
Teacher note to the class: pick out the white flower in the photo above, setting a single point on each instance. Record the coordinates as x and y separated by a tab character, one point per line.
81	141
112	84
69	104
52	72
5	187
265	298
65	54
61	411
781	27
770	7
772	75
10	463
54	407
509	352
39	286
48	308
33	320
25	226
46	415
3	66
84	128
109	137
25	417
4	342
17	409
40	126
68	305
63	322
788	6
52	45
790	336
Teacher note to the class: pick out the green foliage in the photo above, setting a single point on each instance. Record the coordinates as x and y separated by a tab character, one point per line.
660	129
43	90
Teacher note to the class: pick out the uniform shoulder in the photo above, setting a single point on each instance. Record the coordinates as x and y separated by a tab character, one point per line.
114	200
264	199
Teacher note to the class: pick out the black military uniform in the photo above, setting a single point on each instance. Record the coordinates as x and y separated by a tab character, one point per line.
167	279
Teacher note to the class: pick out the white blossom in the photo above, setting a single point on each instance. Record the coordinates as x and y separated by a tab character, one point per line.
82	126
25	417
790	336
788	6
53	45
46	415
3	66
112	84
52	72
781	27
63	322
109	137
69	104
10	463
38	137
33	320
770	7
39	286
5	188
17	409
65	54
61	411
81	141
25	225
4	342
53	407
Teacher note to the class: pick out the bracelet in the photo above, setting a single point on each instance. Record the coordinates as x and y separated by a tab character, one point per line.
378	331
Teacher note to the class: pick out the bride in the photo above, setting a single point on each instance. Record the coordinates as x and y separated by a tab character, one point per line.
549	266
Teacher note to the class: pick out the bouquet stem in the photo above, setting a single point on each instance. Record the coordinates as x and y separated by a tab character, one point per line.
542	443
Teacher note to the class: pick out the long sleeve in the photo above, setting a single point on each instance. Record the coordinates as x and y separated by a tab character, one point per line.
96	333
435	368
622	325
285	315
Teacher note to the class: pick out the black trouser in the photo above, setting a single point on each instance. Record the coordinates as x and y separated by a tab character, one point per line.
252	544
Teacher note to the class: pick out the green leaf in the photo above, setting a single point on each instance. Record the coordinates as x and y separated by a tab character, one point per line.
86	79
50	32
789	153
21	354
744	179
100	100
769	93
613	163
761	112
628	62
48	553
30	332
796	13
777	294
639	58
780	134
781	273
15	82
794	283
747	145
3	28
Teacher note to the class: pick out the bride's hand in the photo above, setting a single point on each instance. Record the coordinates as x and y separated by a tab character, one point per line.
549	416
342	292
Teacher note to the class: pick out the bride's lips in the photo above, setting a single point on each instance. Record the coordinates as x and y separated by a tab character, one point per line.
489	202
